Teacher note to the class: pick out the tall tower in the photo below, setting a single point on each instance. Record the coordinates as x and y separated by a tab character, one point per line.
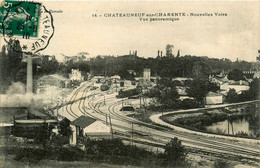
147	74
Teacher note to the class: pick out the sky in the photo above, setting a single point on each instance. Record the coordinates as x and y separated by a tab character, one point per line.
236	35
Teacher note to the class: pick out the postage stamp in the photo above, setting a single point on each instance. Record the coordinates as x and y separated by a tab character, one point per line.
28	22
2	3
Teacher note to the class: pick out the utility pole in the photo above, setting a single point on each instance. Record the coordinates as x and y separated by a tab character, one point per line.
140	101
231	122
144	105
228	126
63	105
104	99
106	119
132	134
111	126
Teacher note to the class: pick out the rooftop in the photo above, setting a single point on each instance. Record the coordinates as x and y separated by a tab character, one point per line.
83	121
213	94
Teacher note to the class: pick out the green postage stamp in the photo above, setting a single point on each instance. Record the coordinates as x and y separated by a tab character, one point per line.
29	23
20	18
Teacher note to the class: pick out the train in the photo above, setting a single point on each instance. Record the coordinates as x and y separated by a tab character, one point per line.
128	93
104	87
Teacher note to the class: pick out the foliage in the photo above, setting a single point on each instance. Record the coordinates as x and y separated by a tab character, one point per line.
200	70
124	74
184	66
219	163
112	151
82	66
165	93
64	127
10	62
254	91
197	89
188	104
42	134
231	96
174	152
236	75
199	122
251	94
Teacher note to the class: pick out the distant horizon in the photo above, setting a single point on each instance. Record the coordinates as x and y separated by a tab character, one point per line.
60	57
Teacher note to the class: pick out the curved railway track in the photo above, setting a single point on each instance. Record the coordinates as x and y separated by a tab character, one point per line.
192	141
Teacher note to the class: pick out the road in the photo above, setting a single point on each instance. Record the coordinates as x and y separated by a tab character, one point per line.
102	106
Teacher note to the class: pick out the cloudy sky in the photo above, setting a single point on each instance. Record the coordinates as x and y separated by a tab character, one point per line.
236	35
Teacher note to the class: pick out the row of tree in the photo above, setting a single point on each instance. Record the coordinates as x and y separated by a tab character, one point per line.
165	66
13	69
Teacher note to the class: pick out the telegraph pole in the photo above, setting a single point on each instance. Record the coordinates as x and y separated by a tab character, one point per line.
106	119
111	126
132	134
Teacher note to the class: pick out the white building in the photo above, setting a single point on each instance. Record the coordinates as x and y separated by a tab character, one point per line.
214	98
147	74
76	75
238	86
86	126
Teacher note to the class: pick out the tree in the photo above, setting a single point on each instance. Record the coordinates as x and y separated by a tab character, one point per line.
42	134
165	93
10	62
254	89
236	75
252	93
175	151
64	127
231	96
197	89
200	70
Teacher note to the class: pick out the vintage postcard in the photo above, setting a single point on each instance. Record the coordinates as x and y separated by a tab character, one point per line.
129	84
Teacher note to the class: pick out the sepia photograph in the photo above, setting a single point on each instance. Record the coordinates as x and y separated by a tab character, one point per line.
136	84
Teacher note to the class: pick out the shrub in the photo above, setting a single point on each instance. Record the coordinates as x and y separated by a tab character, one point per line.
174	153
221	164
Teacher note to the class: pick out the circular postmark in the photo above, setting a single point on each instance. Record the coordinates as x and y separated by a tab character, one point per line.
29	24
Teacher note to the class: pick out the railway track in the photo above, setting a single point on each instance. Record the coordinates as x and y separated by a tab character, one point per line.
215	146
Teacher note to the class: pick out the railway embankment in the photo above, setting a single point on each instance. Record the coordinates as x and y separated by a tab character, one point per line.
195	121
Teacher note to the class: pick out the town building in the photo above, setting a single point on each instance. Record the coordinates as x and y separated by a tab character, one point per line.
76	75
52	80
239	86
257	75
182	80
115	78
90	127
213	98
219	79
24	122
